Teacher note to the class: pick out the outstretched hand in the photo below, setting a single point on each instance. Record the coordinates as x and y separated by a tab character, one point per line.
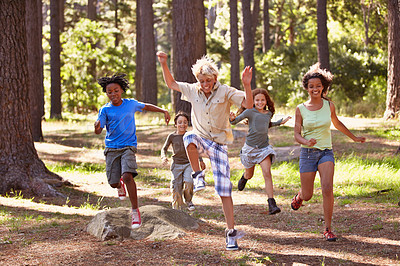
232	116
285	120
360	139
167	117
247	74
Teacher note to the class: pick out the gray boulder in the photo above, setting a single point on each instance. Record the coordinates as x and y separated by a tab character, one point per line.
157	223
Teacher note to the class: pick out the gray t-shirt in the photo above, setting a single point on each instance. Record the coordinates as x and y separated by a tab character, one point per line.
259	123
179	156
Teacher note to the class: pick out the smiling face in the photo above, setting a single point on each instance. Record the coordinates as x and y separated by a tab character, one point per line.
181	124
114	92
207	83
315	87
260	101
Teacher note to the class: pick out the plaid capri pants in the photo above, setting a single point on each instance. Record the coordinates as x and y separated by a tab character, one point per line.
218	155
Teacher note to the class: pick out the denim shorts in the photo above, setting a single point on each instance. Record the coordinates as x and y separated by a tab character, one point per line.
310	159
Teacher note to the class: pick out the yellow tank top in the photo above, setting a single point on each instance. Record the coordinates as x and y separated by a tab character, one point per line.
317	124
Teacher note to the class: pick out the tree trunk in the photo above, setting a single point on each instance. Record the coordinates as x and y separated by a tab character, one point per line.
393	81
91	9
33	23
138	72
234	51
55	62
278	23
189	42
116	43
20	166
266	38
250	21
148	79
322	35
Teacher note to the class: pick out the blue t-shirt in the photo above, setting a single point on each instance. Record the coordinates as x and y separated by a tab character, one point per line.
120	123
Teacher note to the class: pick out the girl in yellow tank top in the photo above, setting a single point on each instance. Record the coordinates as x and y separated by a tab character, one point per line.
312	130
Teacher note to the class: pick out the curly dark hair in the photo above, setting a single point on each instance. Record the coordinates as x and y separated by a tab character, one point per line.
118	78
324	75
180	113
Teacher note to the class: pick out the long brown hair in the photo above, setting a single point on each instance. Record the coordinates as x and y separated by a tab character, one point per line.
270	103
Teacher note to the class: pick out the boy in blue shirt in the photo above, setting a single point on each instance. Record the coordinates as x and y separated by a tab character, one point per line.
118	116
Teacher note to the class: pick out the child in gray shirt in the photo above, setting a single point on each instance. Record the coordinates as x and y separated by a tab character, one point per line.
257	150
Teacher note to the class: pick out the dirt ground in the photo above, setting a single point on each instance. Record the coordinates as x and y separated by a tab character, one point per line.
369	233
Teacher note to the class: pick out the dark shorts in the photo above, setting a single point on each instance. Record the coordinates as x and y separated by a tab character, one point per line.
120	161
310	159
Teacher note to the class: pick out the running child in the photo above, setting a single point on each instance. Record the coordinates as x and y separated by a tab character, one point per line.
257	149
312	130
118	116
211	102
181	178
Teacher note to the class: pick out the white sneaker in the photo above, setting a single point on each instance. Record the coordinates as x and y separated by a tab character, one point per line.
198	181
121	190
231	238
136	220
191	206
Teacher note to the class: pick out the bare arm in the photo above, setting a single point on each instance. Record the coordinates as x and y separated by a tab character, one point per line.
341	127
153	108
97	128
246	80
297	130
168	78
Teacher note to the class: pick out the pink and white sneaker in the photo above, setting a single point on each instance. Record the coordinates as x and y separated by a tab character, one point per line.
121	190
136	220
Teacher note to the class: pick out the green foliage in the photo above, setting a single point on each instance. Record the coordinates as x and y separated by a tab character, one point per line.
85	45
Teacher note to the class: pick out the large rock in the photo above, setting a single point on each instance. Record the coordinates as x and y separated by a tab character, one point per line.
157	223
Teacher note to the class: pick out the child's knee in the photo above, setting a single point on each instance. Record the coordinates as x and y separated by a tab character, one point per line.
128	178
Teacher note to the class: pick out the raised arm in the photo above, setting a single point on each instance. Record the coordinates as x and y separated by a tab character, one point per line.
341	127
153	108
168	78
246	80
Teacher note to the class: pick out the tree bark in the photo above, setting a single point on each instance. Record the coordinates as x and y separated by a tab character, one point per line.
250	20
33	21
138	72
55	62
20	166
322	35
393	81
189	42
91	9
148	77
234	51
266	37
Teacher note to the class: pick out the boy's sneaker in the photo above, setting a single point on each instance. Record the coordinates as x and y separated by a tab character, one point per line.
121	190
329	236
190	206
296	202
242	183
198	181
136	220
231	238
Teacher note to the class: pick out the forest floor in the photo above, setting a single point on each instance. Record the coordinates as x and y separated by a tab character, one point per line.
52	231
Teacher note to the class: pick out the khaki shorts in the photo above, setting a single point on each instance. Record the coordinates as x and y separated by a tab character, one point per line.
120	161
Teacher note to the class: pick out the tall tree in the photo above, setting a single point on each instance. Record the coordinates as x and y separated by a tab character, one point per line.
92	15
20	166
266	38
55	61
33	21
91	9
189	42
393	81
322	34
234	51
250	22
146	52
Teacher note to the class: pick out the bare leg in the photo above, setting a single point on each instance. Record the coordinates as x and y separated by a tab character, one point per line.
249	172
307	185
266	170
326	171
193	156
131	187
227	206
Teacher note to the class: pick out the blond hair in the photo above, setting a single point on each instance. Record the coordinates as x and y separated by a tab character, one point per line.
205	66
